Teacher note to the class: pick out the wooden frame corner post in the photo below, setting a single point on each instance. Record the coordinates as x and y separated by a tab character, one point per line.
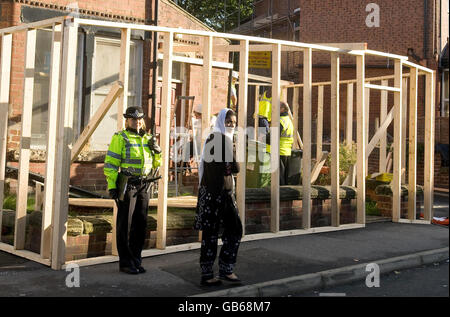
412	149
161	228
64	140
53	115
242	124
429	146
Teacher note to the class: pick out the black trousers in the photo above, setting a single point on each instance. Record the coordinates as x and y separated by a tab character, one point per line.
131	236
284	171
231	239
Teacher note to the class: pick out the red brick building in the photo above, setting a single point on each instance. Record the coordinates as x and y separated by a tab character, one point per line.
97	68
417	29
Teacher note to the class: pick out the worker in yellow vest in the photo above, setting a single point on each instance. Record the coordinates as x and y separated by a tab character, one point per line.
286	141
265	115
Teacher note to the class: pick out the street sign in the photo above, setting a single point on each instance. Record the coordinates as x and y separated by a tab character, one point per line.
259	60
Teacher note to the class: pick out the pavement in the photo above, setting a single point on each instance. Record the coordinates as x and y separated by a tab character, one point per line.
270	267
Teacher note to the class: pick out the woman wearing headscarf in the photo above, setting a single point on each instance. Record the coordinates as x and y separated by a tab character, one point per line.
216	206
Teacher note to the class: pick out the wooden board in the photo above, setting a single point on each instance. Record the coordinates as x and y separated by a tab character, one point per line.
397	160
5	73
319	129
123	75
349	119
360	141
383	139
412	148
334	170
429	146
25	141
306	160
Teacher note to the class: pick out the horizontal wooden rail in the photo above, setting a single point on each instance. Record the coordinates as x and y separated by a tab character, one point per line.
379	87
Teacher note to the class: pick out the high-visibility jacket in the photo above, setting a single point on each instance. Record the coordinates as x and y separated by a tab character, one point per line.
286	136
130	153
265	107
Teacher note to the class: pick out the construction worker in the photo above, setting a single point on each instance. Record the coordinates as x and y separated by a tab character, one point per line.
265	114
132	154
286	141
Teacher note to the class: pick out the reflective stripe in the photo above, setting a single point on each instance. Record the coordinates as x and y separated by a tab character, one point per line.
112	166
132	161
114	155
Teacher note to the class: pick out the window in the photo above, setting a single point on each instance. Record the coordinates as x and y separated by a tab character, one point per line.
39	124
445	87
104	73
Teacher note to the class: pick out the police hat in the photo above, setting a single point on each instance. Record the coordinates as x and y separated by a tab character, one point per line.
134	112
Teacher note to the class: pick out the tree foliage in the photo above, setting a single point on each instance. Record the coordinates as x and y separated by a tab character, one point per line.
221	15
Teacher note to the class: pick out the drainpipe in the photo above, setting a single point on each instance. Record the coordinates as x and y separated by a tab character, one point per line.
154	69
425	28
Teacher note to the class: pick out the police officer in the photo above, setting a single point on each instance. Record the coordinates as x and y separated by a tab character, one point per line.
132	153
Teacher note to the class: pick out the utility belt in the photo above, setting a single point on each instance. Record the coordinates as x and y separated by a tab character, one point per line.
124	182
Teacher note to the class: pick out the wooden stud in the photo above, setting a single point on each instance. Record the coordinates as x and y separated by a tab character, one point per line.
5	73
295	105
25	141
334	170
379	133
404	127
319	130
206	86
361	141
242	124
383	140
53	115
161	228
429	146
387	88
64	139
306	161
349	121
275	140
412	148
397	161
123	75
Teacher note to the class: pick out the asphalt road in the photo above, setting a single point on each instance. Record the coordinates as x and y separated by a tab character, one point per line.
427	281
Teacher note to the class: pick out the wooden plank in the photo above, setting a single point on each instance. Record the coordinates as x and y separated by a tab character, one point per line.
114	230
34	25
412	148
161	228
242	124
206	86
295	105
64	139
5	73
334	170
123	76
379	134
25	141
306	160
275	140
53	115
347	46
383	139
404	126
398	139
319	130
429	146
349	121
361	142
23	253
320	162
387	88
199	61
38	196
298	140
114	93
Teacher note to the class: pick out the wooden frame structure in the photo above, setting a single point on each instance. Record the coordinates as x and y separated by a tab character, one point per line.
60	151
